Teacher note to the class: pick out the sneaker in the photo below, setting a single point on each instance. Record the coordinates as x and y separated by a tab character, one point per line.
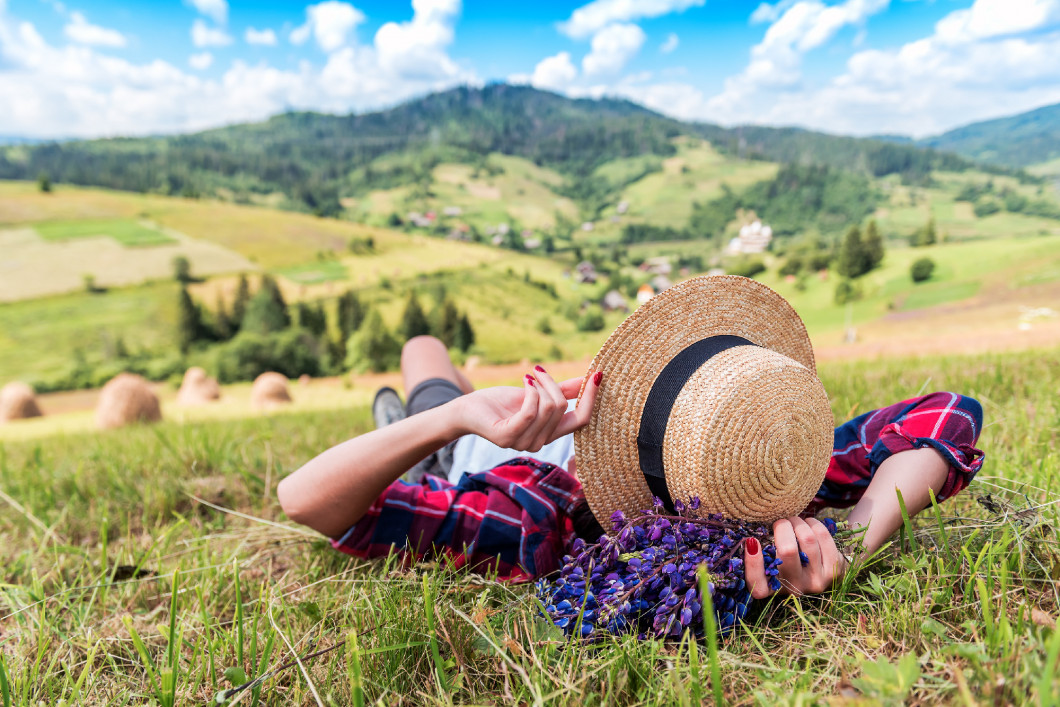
387	407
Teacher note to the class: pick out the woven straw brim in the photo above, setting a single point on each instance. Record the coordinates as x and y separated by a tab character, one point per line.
750	434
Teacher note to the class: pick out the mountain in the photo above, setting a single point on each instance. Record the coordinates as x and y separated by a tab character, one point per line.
316	159
1017	141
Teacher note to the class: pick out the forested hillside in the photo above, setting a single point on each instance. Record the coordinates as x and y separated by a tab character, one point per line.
313	160
1017	141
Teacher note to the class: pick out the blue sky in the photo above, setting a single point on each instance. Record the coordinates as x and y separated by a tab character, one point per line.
94	68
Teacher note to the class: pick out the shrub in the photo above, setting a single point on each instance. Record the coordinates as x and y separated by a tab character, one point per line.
747	267
372	347
921	270
248	355
847	291
591	319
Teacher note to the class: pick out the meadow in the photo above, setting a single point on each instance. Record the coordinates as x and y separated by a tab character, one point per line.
152	565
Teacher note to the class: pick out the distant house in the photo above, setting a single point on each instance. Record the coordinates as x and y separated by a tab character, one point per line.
503	228
497	239
613	301
420	220
452	211
585	272
661	282
754	238
645	293
532	243
587	226
623	207
659	265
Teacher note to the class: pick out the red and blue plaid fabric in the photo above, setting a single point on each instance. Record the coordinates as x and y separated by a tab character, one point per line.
515	518
947	422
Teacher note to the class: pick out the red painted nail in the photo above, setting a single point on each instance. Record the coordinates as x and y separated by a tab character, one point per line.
598	377
539	368
752	546
530	380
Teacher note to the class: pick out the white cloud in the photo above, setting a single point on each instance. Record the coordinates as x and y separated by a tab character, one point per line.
671	43
263	37
591	18
997	18
216	10
81	31
612	47
75	91
330	22
202	35
200	61
770	13
554	73
418	48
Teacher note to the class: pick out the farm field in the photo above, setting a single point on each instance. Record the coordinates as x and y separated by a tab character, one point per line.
153	564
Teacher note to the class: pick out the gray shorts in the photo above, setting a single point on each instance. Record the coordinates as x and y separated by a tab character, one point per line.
426	395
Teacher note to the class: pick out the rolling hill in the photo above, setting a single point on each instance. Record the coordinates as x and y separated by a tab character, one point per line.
1017	141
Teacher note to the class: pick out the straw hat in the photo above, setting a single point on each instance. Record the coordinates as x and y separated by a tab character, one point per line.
711	391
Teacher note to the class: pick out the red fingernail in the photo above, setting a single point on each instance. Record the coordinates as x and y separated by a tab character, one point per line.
598	377
752	546
539	368
530	380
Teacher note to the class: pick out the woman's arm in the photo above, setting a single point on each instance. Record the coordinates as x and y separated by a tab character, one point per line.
913	472
335	489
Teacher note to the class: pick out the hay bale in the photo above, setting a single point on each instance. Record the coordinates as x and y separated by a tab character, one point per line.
197	388
269	391
126	399
304	380
17	402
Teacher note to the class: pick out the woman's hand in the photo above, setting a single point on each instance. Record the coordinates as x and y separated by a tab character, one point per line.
792	535
530	417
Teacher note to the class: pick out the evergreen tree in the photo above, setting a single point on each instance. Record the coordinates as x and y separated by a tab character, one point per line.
444	320
239	306
269	286
465	335
852	261
189	321
351	314
413	320
372	347
264	314
223	323
182	270
873	245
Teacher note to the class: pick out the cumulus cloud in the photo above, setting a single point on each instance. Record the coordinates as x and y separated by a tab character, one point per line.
200	61
670	44
997	18
202	35
263	37
418	48
612	47
553	73
75	91
330	23
216	10
81	31
770	13
590	19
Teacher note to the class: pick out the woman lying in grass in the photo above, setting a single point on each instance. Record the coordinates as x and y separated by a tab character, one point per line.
747	402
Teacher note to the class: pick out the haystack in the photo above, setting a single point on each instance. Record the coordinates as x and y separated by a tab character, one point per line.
125	399
269	391
197	388
304	380
17	402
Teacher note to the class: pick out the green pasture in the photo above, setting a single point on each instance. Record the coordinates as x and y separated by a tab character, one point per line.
125	231
42	336
315	273
152	566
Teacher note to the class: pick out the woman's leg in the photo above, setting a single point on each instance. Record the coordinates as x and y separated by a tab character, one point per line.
424	358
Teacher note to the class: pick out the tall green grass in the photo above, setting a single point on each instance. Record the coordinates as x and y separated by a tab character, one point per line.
153	566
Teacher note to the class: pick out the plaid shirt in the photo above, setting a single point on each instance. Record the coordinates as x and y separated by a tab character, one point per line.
515	518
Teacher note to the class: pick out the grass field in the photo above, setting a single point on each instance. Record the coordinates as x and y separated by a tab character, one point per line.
127	232
152	566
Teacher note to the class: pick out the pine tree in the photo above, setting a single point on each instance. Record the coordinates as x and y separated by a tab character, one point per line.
444	320
264	314
873	245
930	236
413	320
465	335
223	323
239	306
351	314
268	285
372	347
182	270
852	261
189	321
